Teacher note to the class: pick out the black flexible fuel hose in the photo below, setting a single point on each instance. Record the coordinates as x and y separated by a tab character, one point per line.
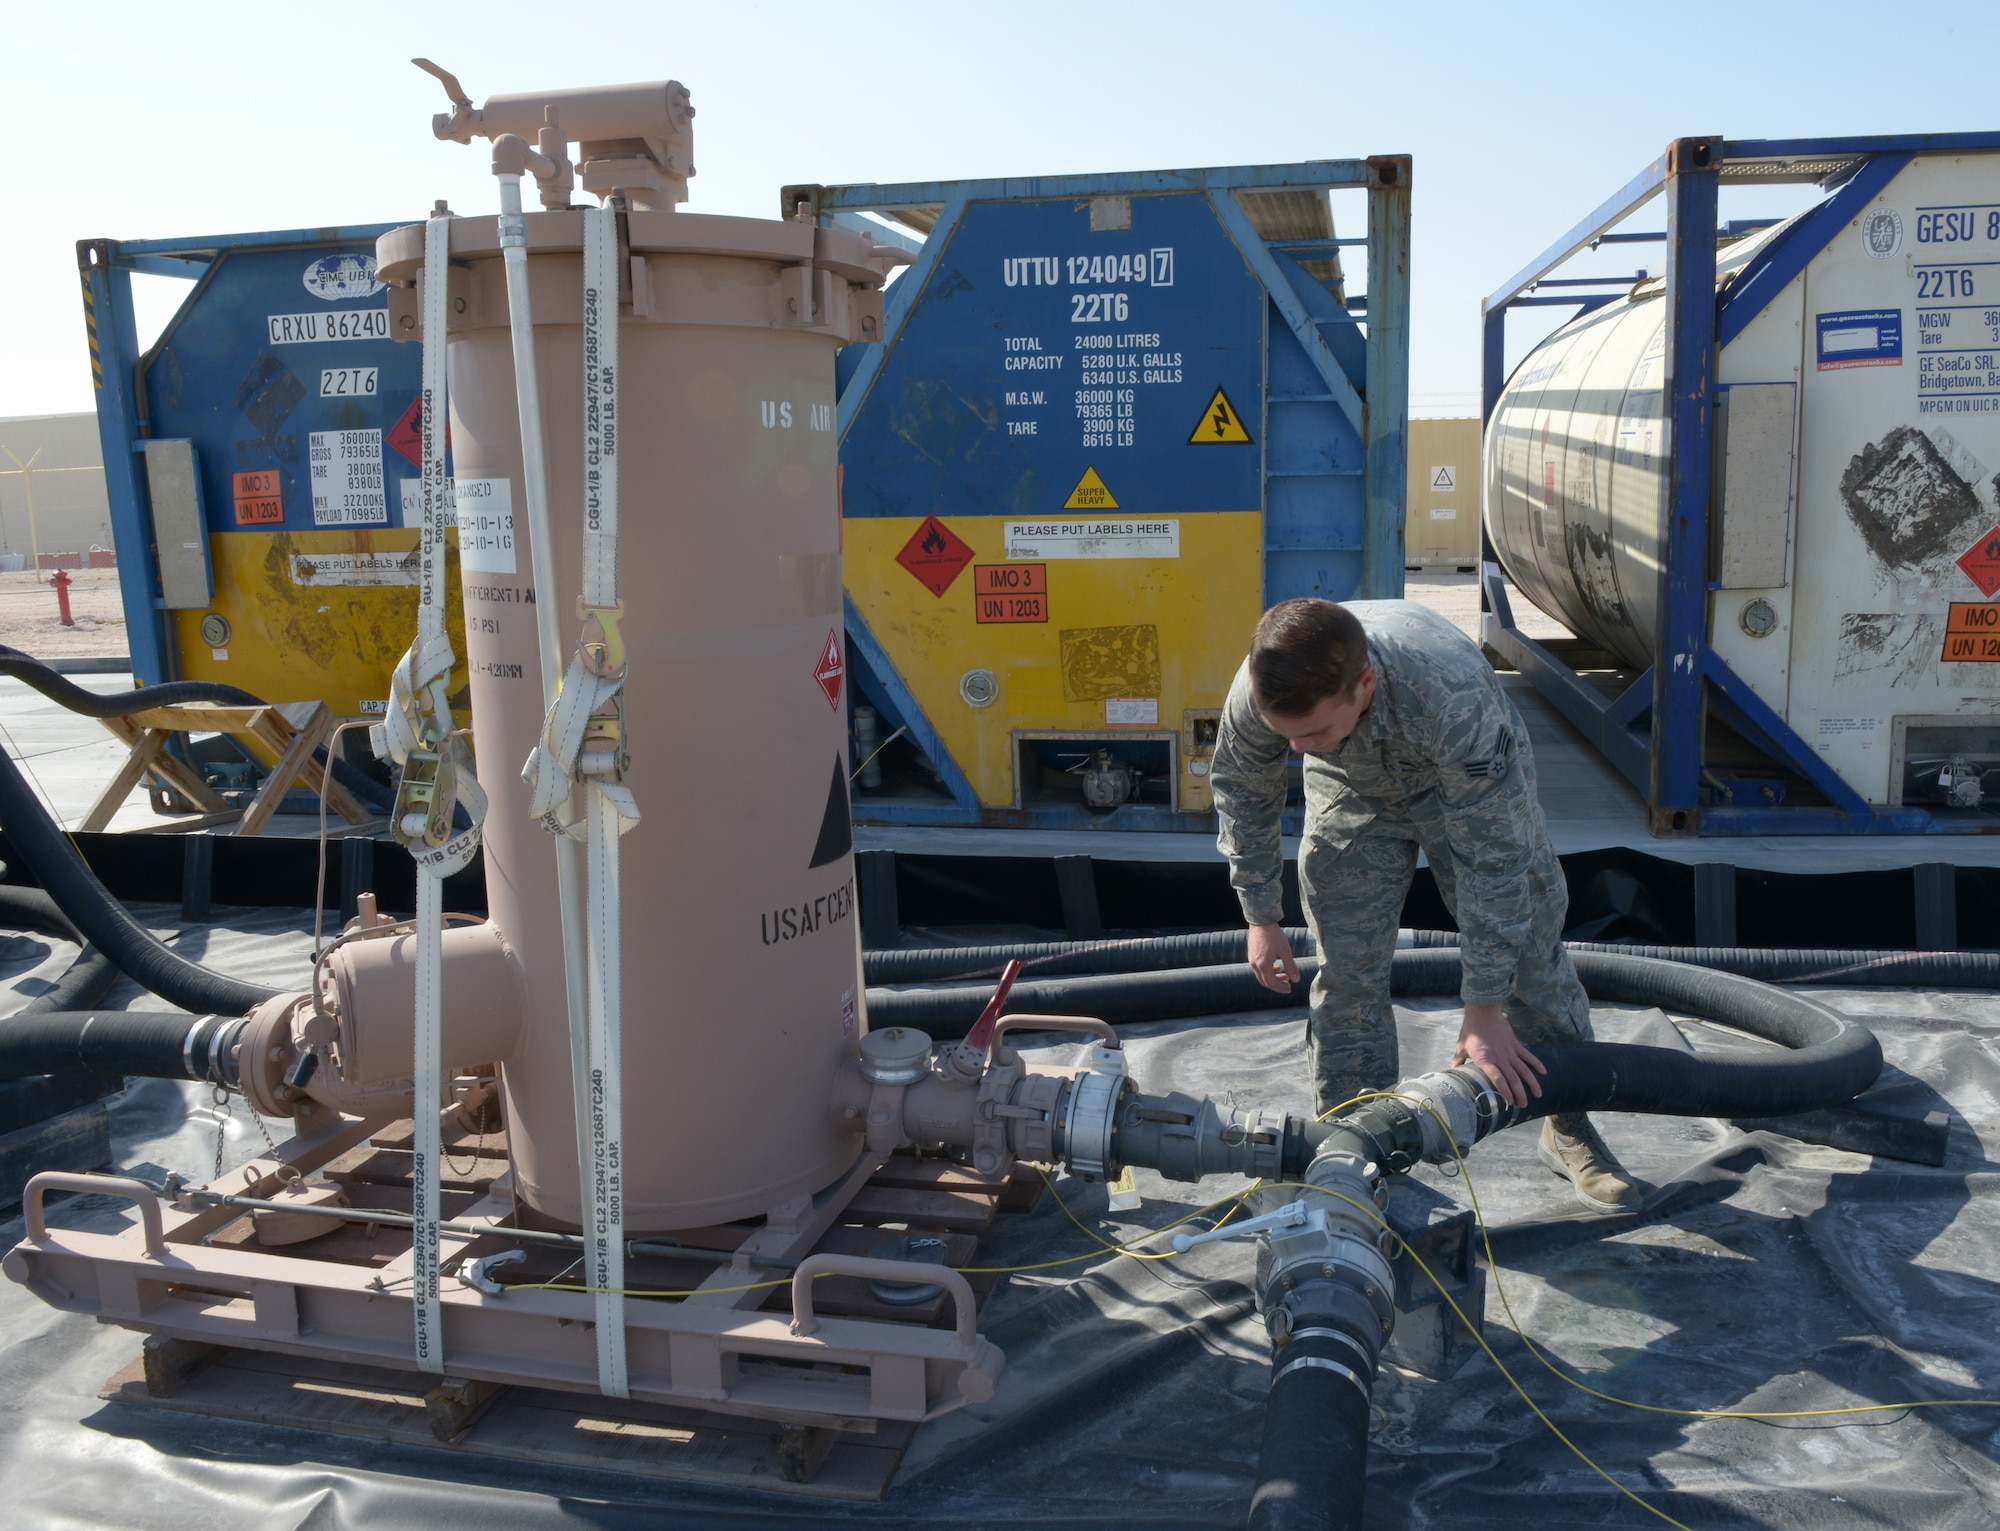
1049	959
1871	968
152	1044
100	918
1312	1469
85	981
67	694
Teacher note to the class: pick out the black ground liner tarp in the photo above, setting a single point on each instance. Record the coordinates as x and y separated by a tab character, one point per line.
1765	1274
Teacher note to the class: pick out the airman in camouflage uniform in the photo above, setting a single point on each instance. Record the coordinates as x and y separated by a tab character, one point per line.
1439	760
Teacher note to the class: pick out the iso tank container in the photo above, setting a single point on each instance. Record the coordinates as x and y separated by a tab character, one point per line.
1855	521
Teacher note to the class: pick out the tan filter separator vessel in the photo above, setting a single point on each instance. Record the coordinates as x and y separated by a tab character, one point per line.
740	932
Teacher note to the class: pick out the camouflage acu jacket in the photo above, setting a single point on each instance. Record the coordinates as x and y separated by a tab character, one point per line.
1441	757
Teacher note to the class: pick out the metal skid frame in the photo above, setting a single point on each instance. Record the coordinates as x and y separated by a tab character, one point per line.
1653	731
1379	415
163	1278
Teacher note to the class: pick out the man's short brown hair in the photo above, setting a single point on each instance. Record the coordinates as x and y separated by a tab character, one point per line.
1304	652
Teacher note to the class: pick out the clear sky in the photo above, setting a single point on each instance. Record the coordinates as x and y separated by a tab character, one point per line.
149	121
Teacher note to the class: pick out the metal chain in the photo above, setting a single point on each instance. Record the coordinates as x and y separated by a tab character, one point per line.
220	1098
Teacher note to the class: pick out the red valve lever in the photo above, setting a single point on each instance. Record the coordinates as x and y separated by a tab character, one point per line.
982	1029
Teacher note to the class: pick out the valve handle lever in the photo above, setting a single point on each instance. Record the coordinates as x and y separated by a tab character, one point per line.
1292	1214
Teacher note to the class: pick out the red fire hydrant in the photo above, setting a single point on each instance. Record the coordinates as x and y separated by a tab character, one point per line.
61	582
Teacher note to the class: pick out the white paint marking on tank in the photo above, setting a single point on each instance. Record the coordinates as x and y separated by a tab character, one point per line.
777	414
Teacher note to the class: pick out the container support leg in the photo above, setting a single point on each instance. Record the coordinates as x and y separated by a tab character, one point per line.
1693	176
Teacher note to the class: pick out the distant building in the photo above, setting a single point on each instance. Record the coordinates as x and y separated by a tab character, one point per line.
72	513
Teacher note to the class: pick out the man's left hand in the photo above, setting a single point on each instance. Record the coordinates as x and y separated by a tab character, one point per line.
1487	1040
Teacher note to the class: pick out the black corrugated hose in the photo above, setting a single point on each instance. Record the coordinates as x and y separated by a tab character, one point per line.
151	1044
1869	969
100	918
85	980
66	693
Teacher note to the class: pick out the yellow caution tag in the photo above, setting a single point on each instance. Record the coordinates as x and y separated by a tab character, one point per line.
1125	1192
1219	425
1091	494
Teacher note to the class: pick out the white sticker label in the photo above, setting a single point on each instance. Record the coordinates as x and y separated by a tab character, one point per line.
485	525
1444	479
1129	711
1094	539
218	653
338	277
1444	512
1197	768
347	479
410	501
347	382
355	568
329	324
1832	729
374	705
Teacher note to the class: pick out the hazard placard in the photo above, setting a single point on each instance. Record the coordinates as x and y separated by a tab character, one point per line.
1444	478
830	669
1090	493
1981	563
259	497
1220	425
1010	592
1972	633
935	555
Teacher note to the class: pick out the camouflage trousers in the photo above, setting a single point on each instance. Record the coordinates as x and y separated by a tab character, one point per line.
1353	898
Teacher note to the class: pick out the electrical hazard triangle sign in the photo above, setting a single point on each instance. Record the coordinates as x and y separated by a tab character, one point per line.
830	669
1090	493
935	555
1981	563
1219	425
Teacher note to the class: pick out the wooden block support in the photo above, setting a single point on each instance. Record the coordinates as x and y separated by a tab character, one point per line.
457	1402
802	1450
172	1364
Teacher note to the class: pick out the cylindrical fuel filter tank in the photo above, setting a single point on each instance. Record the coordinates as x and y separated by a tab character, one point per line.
1857	439
740	932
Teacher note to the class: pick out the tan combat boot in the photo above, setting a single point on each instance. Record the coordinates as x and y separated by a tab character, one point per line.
1571	1147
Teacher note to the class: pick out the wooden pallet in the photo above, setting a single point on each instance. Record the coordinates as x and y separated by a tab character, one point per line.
855	1462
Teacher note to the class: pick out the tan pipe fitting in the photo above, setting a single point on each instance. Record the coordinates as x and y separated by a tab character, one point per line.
364	1031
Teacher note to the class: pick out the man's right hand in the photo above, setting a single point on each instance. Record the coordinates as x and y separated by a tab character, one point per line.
1271	958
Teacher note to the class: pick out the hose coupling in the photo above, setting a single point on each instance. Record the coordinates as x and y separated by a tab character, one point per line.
1328	1267
1458	1107
1185	1138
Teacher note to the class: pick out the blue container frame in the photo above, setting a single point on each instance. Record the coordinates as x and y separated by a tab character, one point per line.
1652	731
1380	415
117	375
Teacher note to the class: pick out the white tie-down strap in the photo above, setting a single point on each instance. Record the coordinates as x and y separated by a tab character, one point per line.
583	744
426	750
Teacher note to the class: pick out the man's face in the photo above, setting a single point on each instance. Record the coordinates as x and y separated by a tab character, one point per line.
1329	722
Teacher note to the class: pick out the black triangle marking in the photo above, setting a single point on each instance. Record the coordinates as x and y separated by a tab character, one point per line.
836	829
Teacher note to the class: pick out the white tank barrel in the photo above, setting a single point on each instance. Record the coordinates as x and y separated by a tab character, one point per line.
1857	442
